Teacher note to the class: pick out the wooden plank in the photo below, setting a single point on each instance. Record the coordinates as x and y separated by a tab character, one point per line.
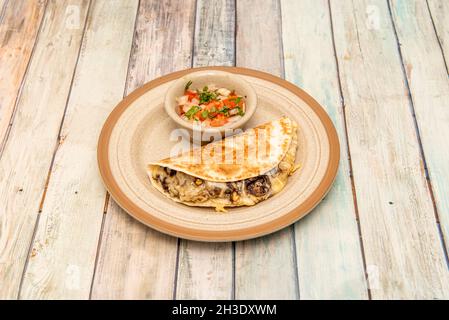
259	45
265	267
403	250
3	4
439	10
134	260
205	269
19	26
26	158
429	87
67	235
330	259
214	33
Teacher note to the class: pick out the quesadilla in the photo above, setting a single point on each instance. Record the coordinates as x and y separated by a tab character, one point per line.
240	170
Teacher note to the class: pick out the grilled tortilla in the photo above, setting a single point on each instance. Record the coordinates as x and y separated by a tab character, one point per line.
241	170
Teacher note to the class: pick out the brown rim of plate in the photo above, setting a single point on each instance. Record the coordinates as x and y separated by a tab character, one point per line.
221	235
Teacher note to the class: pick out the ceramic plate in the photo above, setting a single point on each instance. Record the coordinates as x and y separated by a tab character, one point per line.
138	131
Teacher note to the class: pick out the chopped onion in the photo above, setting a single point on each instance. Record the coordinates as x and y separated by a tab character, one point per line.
186	107
182	100
224	92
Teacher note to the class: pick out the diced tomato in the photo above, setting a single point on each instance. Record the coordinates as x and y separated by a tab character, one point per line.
213	104
210	106
199	115
229	103
218	121
191	94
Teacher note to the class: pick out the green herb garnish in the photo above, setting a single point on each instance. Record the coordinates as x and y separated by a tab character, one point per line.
225	111
237	99
192	111
205	114
240	112
188	84
206	95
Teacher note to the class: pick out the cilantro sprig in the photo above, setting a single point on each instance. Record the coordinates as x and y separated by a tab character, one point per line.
236	99
225	111
188	84
206	95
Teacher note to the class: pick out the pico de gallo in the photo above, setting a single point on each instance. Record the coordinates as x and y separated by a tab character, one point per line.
210	106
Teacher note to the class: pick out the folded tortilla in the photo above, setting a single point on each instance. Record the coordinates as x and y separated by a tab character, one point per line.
241	170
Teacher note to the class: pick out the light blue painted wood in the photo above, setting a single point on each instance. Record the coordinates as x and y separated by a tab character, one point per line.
401	241
439	10
66	238
27	156
329	255
265	267
429	87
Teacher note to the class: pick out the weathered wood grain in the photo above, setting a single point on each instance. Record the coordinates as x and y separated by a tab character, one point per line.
439	10
19	26
265	267
214	33
205	269
134	260
429	88
3	4
2	8
28	153
259	41
330	259
163	40
403	251
66	241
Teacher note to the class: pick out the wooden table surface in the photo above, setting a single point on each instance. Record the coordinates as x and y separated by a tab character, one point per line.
379	68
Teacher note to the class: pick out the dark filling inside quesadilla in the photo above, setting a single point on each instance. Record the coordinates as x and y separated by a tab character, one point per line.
191	189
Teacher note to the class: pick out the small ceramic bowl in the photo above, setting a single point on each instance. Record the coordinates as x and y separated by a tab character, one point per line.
200	79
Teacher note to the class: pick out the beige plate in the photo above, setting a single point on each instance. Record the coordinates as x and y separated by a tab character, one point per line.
137	132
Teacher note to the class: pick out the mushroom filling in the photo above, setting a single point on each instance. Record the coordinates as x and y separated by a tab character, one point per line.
191	189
